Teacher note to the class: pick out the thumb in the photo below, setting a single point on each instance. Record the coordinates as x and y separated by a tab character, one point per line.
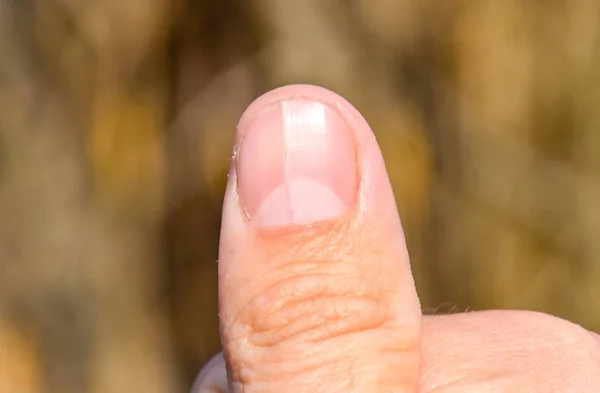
315	287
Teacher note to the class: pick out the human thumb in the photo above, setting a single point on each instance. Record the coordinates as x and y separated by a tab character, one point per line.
315	287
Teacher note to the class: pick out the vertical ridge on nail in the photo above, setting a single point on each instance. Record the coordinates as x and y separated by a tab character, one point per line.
305	135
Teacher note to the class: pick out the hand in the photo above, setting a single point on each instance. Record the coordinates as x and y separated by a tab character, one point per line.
315	288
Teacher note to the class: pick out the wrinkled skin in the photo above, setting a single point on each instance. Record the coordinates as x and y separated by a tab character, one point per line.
493	351
329	305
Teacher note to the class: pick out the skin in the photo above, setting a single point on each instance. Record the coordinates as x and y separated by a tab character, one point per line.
330	305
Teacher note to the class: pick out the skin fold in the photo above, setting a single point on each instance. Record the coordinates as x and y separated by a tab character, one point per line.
490	351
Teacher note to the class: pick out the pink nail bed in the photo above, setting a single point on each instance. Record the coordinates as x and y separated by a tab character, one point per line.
296	164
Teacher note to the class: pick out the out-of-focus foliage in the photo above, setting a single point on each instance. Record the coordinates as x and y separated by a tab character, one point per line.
116	123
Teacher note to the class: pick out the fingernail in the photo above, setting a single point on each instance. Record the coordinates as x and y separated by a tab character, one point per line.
213	377
296	164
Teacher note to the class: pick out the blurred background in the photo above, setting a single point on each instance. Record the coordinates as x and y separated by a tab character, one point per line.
116	124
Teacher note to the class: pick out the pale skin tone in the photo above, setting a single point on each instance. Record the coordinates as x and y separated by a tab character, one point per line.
315	288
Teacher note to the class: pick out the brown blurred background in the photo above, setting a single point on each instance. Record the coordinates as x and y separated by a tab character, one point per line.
116	123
